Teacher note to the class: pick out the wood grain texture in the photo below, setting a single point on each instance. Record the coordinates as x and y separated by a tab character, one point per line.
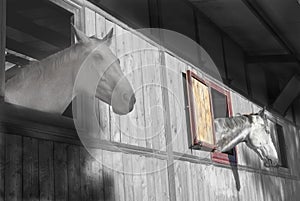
153	103
91	176
151	171
13	168
46	170
163	172
2	166
135	75
102	109
73	155
60	172
108	176
2	46
125	52
203	114
128	177
118	176
90	22
30	169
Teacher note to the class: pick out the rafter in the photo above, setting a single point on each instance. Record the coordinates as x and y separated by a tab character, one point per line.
284	58
49	36
287	96
262	17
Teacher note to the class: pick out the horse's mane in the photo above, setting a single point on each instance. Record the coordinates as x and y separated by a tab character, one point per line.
237	122
56	60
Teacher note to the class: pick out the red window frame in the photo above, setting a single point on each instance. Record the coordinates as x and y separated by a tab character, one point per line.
195	143
219	157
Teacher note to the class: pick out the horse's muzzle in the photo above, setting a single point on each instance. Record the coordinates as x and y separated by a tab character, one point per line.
132	102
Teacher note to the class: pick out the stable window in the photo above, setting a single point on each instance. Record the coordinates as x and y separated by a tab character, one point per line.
207	101
34	30
280	145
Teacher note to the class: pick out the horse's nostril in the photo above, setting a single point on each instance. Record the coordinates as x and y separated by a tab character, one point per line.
131	103
132	100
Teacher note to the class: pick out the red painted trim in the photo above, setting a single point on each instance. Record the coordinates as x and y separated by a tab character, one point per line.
196	144
223	157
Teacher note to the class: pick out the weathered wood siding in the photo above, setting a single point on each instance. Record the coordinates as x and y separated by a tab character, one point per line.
144	155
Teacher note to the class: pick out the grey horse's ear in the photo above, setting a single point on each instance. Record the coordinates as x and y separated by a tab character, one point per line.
80	36
108	37
262	112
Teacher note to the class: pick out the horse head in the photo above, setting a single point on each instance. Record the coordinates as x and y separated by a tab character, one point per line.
260	140
252	129
113	87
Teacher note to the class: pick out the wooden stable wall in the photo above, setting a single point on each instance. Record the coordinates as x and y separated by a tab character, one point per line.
46	160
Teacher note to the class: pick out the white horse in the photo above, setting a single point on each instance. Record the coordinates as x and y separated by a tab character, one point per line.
252	129
47	85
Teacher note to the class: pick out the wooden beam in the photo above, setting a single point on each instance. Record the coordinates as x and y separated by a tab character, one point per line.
16	60
2	45
287	96
25	49
284	58
268	24
25	25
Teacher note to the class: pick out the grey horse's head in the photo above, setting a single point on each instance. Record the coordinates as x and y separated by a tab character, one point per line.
260	140
113	88
252	129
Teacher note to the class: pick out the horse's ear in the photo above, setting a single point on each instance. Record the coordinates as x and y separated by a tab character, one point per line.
262	112
108	37
80	36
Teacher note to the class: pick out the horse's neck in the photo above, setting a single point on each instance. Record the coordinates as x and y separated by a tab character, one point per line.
231	131
47	85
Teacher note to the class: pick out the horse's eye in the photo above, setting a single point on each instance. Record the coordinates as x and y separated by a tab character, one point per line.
125	96
98	56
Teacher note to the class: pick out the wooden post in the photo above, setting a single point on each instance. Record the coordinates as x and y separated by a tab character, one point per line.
2	45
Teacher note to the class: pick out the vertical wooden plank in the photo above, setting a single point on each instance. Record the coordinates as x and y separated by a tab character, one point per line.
114	121
153	104
2	166
126	125
167	126
90	25
100	26
2	46
102	109
108	26
128	177
195	181
164	179
13	168
182	108
118	176
173	90
137	81
84	177
137	181
91	175
143	175
180	194
60	171
108	177
151	170
157	178
97	175
30	169
189	183
46	174
74	192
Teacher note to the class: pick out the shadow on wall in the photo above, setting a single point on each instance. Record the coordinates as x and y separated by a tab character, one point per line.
36	169
234	169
